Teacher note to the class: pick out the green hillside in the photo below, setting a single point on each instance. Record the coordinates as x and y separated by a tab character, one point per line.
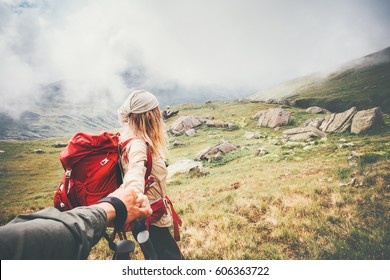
364	83
292	203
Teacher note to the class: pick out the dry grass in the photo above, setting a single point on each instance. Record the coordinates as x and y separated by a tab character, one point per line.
285	205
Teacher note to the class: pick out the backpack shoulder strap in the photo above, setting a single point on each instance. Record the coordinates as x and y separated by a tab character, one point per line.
149	180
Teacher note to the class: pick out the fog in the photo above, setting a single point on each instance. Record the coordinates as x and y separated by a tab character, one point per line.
220	48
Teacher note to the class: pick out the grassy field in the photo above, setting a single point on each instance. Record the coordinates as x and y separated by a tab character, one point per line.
292	203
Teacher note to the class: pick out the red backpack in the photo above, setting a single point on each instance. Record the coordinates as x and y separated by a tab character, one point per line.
92	169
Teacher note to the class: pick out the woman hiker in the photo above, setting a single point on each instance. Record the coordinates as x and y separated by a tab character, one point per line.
142	122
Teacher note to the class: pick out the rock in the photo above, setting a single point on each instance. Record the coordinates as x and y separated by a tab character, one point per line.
274	117
261	151
212	123
208	102
366	119
177	143
350	183
342	140
2	152
168	113
346	145
185	166
314	122
59	144
303	133
183	124
335	123
236	185
353	158
190	133
252	135
216	151
316	110
38	151
231	126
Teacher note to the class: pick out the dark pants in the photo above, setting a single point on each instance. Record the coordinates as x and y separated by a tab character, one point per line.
165	246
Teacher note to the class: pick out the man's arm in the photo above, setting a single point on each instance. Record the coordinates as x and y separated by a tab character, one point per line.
51	234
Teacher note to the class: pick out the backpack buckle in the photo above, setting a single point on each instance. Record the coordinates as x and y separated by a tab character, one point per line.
104	161
68	172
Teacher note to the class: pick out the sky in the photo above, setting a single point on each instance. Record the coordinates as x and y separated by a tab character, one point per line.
102	48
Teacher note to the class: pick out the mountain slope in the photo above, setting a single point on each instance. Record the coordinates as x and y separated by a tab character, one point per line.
364	83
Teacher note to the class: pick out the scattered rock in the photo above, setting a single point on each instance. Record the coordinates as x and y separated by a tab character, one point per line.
252	135
261	151
185	166
342	140
335	123
38	151
353	158
168	113
190	133
346	145
287	101
59	144
350	183
314	122
231	126
212	123
236	185
183	124
316	110
303	133
216	151
2	152
177	143
366	119
273	117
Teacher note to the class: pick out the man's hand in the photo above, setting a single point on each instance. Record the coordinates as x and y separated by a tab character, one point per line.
137	205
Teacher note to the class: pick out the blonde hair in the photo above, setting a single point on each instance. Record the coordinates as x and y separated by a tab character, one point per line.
150	127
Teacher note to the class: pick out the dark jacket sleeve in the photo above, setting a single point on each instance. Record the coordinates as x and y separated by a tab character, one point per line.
51	234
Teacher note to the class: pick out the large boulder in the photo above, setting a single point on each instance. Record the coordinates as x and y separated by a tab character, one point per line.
340	122
211	152
366	119
273	117
183	124
303	133
316	122
185	166
316	110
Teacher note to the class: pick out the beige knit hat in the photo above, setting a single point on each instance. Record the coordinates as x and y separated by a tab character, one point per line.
139	101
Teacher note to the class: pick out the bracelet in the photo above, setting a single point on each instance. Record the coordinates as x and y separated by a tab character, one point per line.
120	210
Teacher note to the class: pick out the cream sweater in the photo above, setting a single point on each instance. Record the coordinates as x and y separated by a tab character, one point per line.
134	173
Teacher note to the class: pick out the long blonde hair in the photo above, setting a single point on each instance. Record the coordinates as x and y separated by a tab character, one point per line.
150	127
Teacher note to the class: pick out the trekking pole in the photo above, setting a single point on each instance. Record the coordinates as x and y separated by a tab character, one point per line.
123	249
141	234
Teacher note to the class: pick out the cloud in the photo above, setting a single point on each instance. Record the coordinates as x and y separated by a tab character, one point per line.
90	46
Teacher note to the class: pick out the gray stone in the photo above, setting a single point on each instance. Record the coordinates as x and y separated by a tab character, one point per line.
316	122
273	117
261	151
190	133
212	123
316	110
183	124
366	119
303	133
216	151
335	123
185	166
